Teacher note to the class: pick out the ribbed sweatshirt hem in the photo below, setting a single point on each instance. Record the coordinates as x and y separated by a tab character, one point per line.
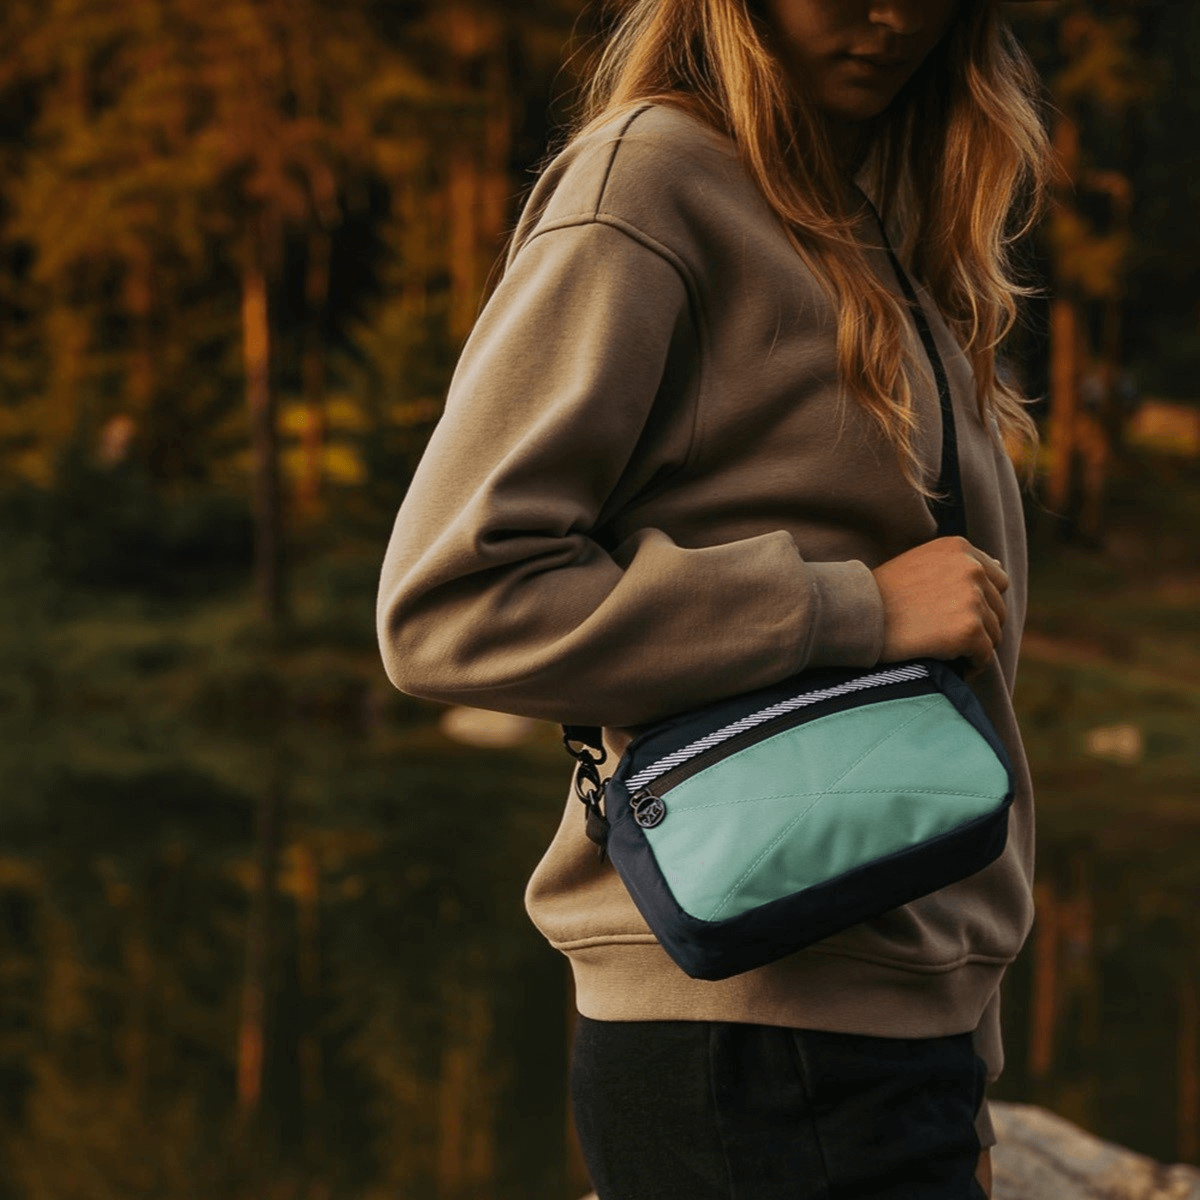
636	981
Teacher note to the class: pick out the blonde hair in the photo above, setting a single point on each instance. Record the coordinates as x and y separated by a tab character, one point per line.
960	160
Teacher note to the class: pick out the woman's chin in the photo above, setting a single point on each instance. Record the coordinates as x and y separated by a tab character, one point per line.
854	106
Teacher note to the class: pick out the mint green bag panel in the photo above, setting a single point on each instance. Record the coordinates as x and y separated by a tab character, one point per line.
824	798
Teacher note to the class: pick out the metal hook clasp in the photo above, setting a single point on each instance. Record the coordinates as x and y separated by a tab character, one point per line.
589	787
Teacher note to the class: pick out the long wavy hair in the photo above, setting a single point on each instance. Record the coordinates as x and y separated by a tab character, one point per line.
959	163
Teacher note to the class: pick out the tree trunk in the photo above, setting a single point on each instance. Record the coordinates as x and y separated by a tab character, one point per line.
69	332
316	295
264	444
69	335
1064	402
141	378
465	281
496	184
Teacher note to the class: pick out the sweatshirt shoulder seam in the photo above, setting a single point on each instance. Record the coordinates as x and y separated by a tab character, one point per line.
633	232
616	149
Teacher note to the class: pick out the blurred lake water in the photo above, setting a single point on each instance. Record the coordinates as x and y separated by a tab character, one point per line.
391	1025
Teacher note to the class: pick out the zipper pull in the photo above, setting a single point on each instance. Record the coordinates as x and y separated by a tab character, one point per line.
648	809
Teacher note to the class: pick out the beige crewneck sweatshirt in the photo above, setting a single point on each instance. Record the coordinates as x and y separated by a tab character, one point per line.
644	495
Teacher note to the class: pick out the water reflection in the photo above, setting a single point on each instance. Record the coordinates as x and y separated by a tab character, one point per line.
1100	1009
292	961
318	984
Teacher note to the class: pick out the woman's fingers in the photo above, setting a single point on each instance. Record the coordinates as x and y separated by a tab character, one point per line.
985	623
993	568
991	588
944	598
995	604
996	572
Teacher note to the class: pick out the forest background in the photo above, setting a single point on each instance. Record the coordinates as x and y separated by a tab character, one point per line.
241	243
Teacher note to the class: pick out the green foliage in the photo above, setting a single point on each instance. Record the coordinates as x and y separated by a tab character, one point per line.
110	528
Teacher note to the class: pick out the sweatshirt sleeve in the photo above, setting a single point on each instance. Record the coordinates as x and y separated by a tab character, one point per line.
495	591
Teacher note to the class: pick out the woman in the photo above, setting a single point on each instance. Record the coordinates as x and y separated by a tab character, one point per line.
687	452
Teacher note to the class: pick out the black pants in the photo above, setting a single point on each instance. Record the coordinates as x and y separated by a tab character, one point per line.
703	1110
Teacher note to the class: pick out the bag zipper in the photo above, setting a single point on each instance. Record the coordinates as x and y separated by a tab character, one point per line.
689	760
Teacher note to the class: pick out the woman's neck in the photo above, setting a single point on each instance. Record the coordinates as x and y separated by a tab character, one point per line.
850	142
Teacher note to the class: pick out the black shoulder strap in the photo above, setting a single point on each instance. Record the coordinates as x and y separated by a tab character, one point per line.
587	735
946	505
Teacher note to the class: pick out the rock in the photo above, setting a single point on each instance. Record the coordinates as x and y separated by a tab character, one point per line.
1041	1156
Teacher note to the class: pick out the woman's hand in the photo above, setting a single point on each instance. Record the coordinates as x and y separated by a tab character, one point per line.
942	599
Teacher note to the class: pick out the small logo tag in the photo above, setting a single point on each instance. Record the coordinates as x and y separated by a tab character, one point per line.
648	810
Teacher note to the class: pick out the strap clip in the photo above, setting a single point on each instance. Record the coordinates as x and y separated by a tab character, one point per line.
589	787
